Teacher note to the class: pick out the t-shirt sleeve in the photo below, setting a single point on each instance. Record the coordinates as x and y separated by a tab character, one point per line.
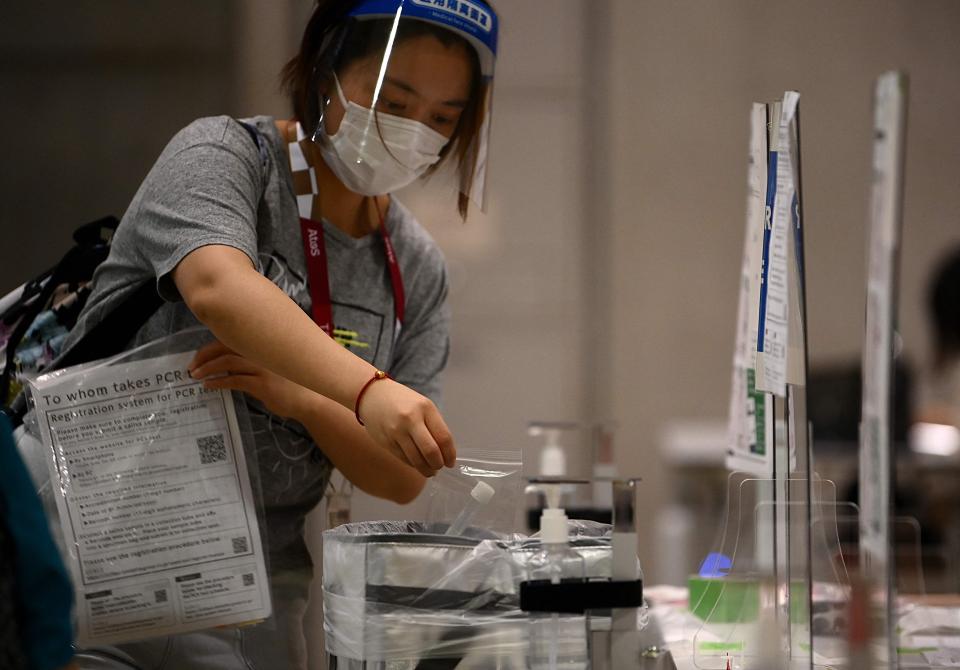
424	345
203	190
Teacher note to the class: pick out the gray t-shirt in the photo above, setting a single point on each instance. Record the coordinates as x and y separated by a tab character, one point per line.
212	185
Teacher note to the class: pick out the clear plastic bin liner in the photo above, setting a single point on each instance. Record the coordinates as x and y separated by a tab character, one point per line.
401	590
377	632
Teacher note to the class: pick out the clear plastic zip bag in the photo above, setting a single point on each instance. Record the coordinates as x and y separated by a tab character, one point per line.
155	491
483	492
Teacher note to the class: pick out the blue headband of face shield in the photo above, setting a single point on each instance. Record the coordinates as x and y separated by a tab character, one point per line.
473	20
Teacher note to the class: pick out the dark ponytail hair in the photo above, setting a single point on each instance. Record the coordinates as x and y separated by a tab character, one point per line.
333	40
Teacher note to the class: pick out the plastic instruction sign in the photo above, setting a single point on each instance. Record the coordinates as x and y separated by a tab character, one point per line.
751	414
154	500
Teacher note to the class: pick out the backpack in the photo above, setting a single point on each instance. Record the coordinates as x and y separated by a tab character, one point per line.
36	318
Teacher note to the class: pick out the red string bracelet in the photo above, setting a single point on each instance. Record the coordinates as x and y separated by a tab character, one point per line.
377	376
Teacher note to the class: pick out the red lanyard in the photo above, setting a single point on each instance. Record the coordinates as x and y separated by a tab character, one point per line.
318	275
315	247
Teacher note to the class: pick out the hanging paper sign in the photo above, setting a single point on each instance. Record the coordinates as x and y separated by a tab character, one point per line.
773	343
750	413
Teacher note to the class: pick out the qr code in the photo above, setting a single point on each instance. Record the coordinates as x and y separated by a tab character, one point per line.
240	545
160	596
248	579
212	449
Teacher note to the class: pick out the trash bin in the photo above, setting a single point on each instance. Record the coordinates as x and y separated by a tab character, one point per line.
401	595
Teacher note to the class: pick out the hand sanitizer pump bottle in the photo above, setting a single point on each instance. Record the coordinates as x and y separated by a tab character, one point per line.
557	641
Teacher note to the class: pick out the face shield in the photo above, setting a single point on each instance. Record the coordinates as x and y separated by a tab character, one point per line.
407	93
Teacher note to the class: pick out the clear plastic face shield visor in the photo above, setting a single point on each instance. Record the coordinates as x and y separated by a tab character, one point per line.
410	96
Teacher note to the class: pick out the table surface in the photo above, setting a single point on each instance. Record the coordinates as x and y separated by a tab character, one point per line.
679	627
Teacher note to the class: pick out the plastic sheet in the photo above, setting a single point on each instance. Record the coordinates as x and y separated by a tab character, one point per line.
397	593
148	473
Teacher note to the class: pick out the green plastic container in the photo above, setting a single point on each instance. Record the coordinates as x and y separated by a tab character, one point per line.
737	599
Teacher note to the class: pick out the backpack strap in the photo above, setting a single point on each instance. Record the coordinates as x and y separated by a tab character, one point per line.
257	139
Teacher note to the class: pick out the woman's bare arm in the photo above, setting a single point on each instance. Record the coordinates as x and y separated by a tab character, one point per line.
254	318
370	468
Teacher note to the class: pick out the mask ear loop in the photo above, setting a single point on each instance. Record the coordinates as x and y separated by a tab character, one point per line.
325	100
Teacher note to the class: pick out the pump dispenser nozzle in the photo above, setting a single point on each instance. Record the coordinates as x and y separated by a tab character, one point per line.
553	460
553	493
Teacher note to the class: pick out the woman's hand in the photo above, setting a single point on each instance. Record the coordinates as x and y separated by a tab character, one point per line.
219	367
254	318
399	418
401	421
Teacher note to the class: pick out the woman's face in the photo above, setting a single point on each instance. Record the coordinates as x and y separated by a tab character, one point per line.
425	81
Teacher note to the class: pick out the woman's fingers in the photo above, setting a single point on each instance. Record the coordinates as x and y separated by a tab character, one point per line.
207	353
427	446
441	436
224	364
394	450
394	413
221	368
242	383
414	456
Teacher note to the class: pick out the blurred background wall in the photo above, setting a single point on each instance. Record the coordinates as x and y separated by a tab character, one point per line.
601	281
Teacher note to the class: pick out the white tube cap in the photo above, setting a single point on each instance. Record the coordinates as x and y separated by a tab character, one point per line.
553	527
482	493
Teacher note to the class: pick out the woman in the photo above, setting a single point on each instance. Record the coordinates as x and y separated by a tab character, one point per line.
281	237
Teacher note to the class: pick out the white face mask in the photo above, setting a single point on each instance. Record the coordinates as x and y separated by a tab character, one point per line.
369	165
